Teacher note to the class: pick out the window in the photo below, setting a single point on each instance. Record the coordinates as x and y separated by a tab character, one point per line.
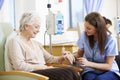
7	11
76	12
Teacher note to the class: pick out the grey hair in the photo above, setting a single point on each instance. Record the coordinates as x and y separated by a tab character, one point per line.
28	18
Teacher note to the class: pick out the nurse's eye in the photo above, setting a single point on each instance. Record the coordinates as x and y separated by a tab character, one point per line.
37	26
87	28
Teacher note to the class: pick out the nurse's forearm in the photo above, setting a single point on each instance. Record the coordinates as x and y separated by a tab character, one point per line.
102	66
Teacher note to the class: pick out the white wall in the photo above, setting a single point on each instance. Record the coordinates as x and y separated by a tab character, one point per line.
110	10
22	6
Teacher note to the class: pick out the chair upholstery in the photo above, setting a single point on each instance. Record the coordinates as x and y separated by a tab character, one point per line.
5	30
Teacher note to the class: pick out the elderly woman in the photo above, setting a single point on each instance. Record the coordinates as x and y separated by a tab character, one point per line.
27	54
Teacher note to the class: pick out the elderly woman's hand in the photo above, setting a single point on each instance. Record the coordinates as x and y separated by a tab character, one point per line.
68	56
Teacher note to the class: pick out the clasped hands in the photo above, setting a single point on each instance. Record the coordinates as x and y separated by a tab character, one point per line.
70	57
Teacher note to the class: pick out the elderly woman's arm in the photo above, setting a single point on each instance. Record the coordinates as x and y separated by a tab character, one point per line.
58	59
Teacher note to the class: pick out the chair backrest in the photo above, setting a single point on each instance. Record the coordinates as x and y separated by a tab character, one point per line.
5	30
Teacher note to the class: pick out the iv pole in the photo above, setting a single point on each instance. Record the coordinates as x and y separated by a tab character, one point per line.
50	36
54	24
117	8
14	15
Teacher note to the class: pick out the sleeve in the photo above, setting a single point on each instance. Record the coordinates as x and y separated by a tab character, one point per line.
16	56
112	47
48	57
80	41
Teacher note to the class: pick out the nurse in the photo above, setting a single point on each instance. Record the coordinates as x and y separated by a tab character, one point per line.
97	50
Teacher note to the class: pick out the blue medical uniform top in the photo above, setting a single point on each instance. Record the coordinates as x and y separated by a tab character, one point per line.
94	55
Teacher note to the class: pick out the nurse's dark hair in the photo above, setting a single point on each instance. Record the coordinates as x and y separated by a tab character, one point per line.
98	22
107	21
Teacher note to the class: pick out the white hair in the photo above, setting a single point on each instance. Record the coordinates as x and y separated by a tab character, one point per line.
28	18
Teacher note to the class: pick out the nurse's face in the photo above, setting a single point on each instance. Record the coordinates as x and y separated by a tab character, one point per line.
89	29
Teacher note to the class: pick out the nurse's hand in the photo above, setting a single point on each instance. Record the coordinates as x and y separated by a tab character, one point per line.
82	61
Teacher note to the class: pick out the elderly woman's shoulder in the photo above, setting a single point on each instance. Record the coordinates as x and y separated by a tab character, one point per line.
12	36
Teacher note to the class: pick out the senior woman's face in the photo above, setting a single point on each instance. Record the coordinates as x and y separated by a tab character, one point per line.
32	30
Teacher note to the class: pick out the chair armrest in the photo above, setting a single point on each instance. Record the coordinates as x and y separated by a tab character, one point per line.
18	75
65	66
